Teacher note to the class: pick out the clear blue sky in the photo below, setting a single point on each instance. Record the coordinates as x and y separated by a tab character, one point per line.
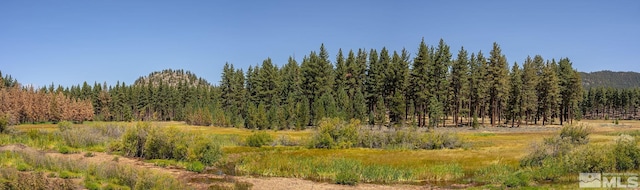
68	42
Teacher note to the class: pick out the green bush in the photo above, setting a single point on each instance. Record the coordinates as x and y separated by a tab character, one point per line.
66	150
626	153
437	140
553	147
69	175
64	125
590	159
91	185
259	139
517	179
134	139
335	133
551	169
21	166
475	124
576	134
209	152
195	166
4	123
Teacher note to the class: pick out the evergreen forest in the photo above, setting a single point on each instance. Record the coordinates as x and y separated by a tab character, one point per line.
426	88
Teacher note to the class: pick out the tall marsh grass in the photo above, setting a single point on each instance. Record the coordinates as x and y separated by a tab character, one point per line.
342	170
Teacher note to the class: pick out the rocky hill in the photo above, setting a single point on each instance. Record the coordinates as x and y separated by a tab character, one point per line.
172	78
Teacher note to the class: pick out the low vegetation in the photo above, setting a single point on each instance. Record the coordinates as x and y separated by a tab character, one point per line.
336	151
258	139
146	141
94	175
335	133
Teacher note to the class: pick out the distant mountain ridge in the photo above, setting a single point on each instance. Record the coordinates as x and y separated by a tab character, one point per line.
172	78
610	79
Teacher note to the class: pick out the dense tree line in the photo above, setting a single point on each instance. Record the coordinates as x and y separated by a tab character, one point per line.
388	88
27	105
611	103
382	88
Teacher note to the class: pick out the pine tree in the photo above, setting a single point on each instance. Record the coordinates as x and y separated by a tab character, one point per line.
317	80
497	71
438	84
303	118
262	122
514	103
570	89
538	63
550	92
530	80
419	81
359	106
397	80
380	115
458	83
374	80
340	72
268	84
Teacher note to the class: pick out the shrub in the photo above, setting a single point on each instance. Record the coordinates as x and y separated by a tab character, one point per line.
570	136
64	125
66	150
195	166
85	136
92	185
438	140
21	166
590	159
551	169
4	123
576	134
201	116
69	175
475	124
334	133
517	179
134	139
626	153
258	139
89	154
209	152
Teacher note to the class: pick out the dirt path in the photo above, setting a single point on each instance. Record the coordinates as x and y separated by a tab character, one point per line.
203	181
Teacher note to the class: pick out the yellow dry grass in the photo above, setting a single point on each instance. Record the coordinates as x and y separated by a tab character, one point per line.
499	147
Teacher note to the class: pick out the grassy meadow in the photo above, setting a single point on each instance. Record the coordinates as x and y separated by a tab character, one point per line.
489	158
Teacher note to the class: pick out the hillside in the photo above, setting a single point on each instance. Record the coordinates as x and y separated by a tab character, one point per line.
610	79
172	78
